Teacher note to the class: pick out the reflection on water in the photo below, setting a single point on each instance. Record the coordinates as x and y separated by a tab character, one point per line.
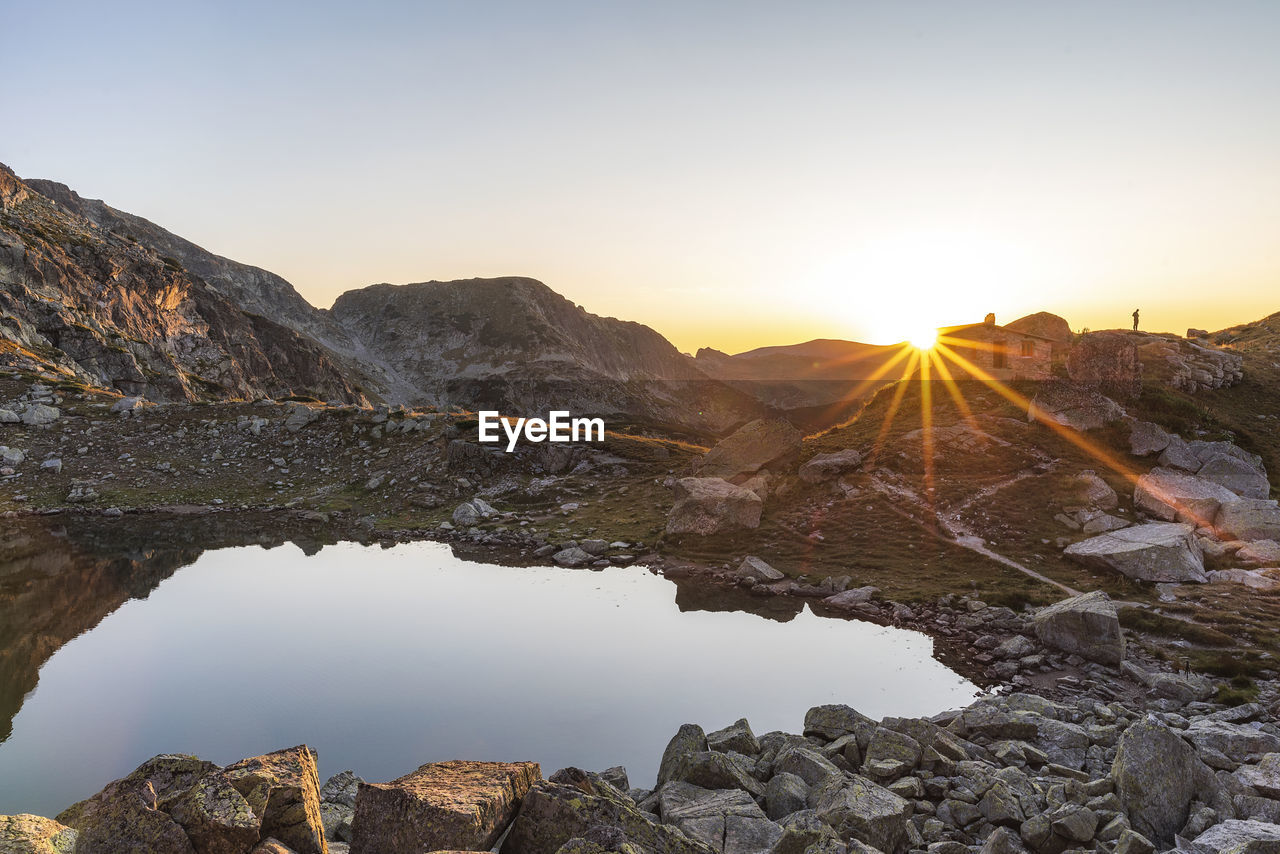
383	659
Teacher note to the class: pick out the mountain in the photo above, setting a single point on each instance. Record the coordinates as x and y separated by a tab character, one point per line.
95	304
516	345
816	373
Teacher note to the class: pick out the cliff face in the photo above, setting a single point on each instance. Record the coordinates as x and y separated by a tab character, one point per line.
94	303
514	344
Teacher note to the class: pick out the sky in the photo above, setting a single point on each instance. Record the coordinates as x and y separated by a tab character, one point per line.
733	174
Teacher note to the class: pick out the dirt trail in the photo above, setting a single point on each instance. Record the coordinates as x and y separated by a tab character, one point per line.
951	525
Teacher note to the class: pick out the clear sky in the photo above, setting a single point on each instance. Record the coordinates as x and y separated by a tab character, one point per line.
732	173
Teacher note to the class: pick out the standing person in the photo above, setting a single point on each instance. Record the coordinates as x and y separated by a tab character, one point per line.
1135	320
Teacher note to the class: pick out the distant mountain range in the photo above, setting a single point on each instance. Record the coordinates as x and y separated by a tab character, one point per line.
115	300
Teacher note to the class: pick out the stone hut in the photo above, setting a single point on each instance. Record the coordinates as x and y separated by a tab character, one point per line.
1002	352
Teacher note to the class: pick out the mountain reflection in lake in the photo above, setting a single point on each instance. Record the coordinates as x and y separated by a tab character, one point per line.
382	659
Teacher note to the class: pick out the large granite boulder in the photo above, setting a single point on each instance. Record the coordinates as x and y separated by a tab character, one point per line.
828	466
1086	625
858	808
571	803
1248	519
750	448
1206	451
124	819
709	505
33	834
216	817
1265	776
283	790
1235	836
441	806
1174	495
1157	551
727	820
1077	407
1157	776
711	770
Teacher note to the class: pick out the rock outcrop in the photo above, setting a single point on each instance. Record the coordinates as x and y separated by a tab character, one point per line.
95	305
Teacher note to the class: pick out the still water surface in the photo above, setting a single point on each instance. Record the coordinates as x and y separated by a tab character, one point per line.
382	659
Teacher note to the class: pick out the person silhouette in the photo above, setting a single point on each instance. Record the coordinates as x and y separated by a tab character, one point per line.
1135	320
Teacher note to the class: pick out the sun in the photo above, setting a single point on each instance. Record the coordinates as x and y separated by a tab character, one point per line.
923	339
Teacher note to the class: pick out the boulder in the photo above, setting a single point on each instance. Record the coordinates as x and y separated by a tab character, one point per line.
1237	742
688	740
299	416
728	821
848	599
710	770
1077	407
736	737
8	416
1178	455
858	808
709	505
1146	438
754	567
1265	776
1235	836
1086	625
1157	776
123	818
1157	551
571	803
341	788
216	818
11	456
830	466
441	806
890	754
283	790
1206	451
32	834
1254	578
1095	491
127	404
751	448
1264	553
1239	477
1173	495
832	721
572	557
466	515
1248	519
37	415
785	794
809	765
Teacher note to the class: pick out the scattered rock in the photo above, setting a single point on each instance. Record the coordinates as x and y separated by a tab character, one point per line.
754	567
830	466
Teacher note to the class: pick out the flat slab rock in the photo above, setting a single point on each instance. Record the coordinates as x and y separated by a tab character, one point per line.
441	806
1157	551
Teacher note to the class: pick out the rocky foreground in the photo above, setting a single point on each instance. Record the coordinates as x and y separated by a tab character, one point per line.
1006	774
